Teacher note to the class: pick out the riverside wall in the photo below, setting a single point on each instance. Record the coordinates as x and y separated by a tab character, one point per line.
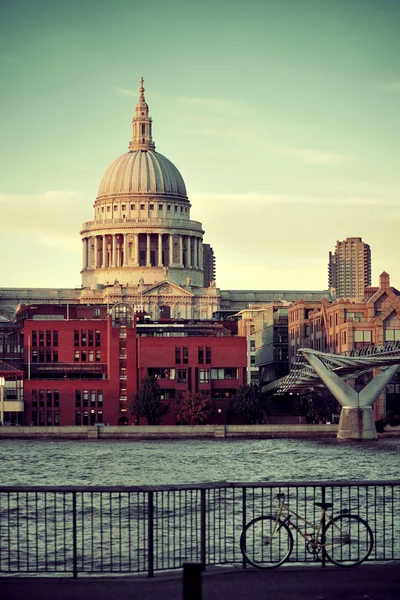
139	432
142	432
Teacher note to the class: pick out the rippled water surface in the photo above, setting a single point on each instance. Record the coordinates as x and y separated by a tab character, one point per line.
100	462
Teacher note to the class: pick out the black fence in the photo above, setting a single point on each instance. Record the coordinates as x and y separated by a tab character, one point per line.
146	529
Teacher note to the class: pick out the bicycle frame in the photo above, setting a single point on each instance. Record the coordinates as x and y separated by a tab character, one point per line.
317	529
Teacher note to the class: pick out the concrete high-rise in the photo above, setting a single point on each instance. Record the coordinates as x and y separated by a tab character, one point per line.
349	268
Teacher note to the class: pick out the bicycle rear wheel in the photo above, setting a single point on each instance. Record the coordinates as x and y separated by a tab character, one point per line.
265	543
348	540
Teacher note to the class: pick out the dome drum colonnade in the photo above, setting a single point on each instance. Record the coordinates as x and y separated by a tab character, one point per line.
142	227
142	249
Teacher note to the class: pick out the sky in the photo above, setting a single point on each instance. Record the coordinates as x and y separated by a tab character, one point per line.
283	117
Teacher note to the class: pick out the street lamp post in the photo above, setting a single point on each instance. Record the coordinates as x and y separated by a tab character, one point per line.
2	384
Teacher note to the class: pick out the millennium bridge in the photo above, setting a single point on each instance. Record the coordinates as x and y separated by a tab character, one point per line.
314	369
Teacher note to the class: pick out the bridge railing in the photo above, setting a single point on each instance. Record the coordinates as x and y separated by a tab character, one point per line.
94	530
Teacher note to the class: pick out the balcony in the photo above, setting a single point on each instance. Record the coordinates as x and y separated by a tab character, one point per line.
68	370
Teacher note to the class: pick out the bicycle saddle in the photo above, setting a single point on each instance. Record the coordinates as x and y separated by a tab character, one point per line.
324	505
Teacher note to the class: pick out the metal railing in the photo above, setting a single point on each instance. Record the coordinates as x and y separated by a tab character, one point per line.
147	529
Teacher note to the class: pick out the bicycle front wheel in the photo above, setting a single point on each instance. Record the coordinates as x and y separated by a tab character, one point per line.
348	540
266	543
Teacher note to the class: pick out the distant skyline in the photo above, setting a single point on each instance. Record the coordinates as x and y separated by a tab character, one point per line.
283	117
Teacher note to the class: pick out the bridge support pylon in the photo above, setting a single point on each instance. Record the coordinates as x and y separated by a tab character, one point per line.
357	416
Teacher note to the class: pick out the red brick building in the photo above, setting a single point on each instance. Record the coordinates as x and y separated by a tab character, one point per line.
83	363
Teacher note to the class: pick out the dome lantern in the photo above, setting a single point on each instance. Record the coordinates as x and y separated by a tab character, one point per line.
141	125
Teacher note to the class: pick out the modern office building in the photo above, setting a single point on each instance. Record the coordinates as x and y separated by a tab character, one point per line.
349	268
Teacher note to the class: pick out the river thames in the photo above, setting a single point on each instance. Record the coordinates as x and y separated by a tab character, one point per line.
116	463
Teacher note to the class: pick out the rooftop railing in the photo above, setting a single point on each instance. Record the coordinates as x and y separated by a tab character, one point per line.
96	530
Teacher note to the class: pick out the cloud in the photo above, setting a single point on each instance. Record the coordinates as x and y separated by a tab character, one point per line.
201	132
125	92
49	219
252	198
313	156
267	241
207	102
393	86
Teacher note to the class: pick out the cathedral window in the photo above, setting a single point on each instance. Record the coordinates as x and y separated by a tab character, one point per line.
160	207
176	208
151	206
115	207
168	207
132	207
142	207
123	207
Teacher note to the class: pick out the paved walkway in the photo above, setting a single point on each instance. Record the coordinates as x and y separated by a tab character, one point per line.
367	582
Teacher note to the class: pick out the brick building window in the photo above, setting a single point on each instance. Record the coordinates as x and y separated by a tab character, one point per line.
200	355
177	355
181	376
208	355
204	375
185	355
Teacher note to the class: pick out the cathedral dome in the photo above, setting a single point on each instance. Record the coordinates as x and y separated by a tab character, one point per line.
142	172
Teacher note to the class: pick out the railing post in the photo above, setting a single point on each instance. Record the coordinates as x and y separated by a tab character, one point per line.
244	562
323	537
203	556
192	581
150	534
74	538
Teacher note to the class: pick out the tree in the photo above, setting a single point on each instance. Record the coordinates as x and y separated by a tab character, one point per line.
147	401
195	407
248	403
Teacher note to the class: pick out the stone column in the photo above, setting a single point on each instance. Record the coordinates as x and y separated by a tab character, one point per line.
189	251
148	262
118	251
201	256
136	249
195	257
126	250
84	253
104	252
160	250
113	251
171	249
96	251
181	251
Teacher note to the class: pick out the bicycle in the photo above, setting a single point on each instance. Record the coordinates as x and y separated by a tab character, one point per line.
346	539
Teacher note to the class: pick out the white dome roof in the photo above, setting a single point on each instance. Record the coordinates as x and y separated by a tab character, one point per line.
142	172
